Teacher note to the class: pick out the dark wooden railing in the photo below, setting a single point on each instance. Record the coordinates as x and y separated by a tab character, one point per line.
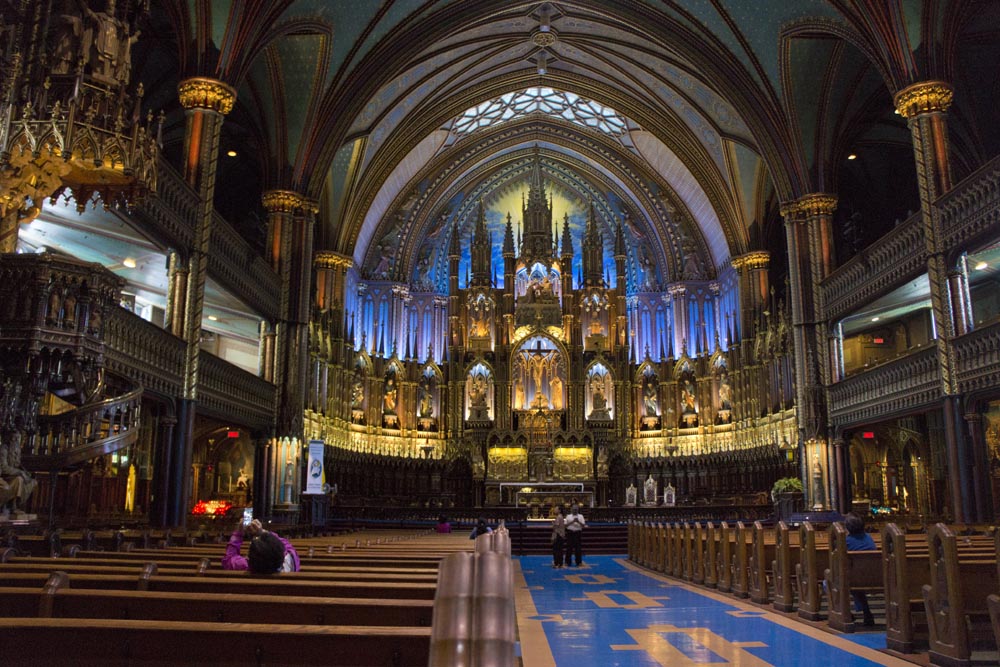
903	384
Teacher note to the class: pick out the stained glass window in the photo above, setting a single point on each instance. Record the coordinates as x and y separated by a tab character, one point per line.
565	105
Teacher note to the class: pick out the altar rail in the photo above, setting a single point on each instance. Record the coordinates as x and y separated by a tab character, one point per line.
909	383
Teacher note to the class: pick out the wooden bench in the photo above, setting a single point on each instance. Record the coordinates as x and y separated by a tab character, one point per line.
760	562
740	578
809	572
955	599
99	642
786	554
724	570
711	555
849	570
58	599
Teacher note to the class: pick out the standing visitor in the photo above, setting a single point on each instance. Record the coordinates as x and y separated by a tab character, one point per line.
558	537
574	532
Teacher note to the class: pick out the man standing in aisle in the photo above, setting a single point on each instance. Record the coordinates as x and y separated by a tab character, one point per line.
574	531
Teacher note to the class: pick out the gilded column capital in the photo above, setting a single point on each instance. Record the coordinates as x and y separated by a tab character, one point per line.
810	205
924	97
676	290
204	93
287	201
328	259
758	259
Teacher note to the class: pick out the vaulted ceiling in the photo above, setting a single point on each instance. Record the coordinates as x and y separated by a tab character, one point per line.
398	115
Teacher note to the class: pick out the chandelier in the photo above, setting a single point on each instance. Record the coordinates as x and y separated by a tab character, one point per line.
68	123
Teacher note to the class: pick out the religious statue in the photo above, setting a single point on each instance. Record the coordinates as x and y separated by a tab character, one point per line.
389	399
357	394
289	480
477	392
687	398
16	483
110	56
649	401
555	386
630	495
669	496
649	490
602	462
725	393
519	394
426	410
241	480
599	404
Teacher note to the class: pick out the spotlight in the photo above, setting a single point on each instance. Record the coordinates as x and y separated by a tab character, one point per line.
231	153
852	156
982	266
213	318
875	319
128	262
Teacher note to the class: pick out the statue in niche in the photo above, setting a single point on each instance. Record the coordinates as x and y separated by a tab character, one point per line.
242	481
649	490
357	394
630	495
519	394
110	56
648	269
599	404
426	409
16	483
725	393
389	399
669	496
602	462
477	392
596	328
688	398
649	400
480	323
555	385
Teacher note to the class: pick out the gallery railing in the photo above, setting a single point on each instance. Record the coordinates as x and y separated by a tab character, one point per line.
140	350
970	213
977	356
233	393
907	383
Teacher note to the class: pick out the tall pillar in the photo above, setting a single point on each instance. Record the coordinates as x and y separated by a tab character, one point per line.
294	215
924	105
810	259
754	286
206	103
331	277
177	285
678	302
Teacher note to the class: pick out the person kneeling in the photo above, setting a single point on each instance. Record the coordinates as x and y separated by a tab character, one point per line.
268	553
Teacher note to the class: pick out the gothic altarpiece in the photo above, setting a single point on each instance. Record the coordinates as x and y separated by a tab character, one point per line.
526	385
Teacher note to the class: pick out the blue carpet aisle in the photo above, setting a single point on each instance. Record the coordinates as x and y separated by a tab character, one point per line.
610	613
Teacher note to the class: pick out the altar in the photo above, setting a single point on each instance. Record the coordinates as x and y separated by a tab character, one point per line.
542	496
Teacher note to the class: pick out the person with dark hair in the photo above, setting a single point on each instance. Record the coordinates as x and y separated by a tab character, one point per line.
574	534
480	529
558	537
268	552
859	540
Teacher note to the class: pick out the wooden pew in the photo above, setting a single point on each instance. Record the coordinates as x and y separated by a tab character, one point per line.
661	547
688	551
760	562
813	561
955	599
724	558
678	564
849	570
99	642
58	600
711	555
786	553
741	561
698	554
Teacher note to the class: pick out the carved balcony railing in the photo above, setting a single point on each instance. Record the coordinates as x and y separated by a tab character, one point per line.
170	215
142	351
977	356
234	263
901	385
68	439
887	263
971	212
230	392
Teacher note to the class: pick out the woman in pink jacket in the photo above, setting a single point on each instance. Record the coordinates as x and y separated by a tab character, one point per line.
268	552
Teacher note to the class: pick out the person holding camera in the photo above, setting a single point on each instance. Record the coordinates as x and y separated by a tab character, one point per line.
268	553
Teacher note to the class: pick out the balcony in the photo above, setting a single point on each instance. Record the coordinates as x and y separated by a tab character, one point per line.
977	358
902	385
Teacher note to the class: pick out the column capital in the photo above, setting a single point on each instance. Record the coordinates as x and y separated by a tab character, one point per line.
924	97
204	93
287	201
676	290
817	203
757	259
328	259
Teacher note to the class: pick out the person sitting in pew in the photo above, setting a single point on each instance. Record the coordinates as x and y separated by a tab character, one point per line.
268	552
859	540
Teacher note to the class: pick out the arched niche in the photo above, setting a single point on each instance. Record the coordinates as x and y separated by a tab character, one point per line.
538	375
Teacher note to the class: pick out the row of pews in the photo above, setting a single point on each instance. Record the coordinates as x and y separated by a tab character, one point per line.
940	588
365	598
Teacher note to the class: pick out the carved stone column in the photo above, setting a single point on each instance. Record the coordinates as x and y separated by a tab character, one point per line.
331	275
294	215
177	286
754	286
206	103
810	259
678	302
924	105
